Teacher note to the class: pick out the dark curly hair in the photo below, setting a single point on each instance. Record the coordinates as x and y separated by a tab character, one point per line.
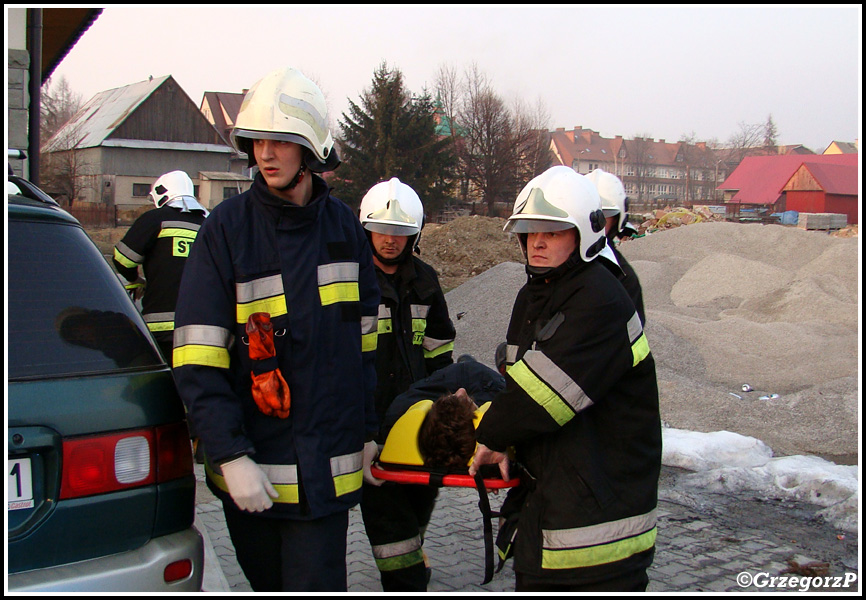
447	434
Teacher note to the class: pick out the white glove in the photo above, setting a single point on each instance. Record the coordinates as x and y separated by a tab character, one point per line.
371	451
248	485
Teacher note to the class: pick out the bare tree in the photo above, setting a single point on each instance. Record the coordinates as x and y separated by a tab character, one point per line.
488	138
532	137
449	95
743	141
639	154
58	104
67	173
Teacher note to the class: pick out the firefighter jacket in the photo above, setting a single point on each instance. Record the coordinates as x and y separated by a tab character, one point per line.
581	408
160	241
631	283
310	267
416	335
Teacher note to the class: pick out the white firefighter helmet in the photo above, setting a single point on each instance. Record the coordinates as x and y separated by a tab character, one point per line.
284	105
170	186
559	199
613	198
392	208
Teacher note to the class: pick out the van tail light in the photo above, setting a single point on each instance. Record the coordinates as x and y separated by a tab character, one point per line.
173	452
106	463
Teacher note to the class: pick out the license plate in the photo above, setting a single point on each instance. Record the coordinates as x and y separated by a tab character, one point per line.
20	488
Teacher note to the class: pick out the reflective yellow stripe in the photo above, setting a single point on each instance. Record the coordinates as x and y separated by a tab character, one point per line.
398	555
640	349
265	294
347	473
339	292
639	344
275	306
165	326
288	492
449	347
205	356
184	233
597	555
369	341
119	257
346	484
541	393
419	325
386	326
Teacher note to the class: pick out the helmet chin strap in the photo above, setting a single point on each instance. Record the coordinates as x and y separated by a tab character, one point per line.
298	178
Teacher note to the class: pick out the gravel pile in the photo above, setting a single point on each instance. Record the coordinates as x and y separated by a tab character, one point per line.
771	307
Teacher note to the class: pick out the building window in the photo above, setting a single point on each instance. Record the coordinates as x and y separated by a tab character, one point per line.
230	191
140	190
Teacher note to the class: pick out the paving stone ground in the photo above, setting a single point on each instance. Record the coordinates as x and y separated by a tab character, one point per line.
707	543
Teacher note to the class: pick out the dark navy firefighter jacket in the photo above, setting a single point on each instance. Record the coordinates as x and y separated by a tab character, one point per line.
310	267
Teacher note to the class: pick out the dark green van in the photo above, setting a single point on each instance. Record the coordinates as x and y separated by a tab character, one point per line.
101	489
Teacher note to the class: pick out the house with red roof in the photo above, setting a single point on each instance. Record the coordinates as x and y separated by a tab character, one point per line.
654	172
760	185
824	188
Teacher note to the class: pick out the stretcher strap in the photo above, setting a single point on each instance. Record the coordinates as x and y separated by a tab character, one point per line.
484	505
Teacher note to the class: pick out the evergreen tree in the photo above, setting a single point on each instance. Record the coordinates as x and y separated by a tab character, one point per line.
392	133
770	134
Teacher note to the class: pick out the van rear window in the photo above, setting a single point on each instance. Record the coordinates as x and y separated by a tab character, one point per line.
67	312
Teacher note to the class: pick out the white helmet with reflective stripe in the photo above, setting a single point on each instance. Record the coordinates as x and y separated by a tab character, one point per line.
559	199
613	198
284	105
170	186
392	208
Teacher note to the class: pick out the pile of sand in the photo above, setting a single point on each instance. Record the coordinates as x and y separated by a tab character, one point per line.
729	304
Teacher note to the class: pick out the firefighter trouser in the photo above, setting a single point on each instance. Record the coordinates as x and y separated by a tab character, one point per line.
635	580
284	555
395	517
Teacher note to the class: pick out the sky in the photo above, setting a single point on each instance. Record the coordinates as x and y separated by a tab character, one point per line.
664	71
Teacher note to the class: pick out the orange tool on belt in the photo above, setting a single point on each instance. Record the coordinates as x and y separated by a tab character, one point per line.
270	390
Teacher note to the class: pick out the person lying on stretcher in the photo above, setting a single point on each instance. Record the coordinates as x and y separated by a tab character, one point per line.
439	436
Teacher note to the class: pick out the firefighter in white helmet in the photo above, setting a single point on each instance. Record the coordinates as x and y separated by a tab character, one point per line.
281	288
416	339
159	241
614	204
580	405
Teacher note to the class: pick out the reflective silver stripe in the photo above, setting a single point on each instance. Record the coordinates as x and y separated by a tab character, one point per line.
204	335
338	272
419	311
281	474
158	317
557	380
397	548
306	112
369	324
180	225
432	343
129	253
347	463
511	354
257	289
581	537
635	329
384	312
